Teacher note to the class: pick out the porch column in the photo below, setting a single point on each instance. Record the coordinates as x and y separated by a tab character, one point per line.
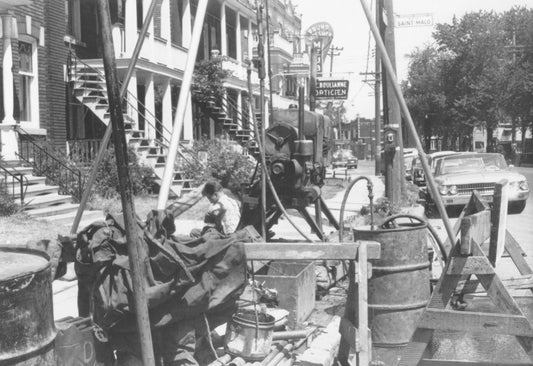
166	105
223	29
240	111
149	43
131	96
186	31
8	134
250	41
165	29
238	38
188	122
130	26
149	115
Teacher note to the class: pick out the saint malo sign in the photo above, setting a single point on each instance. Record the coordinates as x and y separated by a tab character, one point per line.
332	89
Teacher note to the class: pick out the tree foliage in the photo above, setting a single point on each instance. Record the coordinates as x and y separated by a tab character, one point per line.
208	80
472	76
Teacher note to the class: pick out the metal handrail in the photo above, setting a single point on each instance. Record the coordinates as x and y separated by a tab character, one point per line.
19	178
34	154
73	63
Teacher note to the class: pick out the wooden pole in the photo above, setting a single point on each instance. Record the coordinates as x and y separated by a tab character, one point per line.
411	126
182	104
393	160
312	77
377	100
261	72
109	129
136	253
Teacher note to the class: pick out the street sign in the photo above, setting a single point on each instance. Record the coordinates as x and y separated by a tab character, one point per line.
414	20
332	89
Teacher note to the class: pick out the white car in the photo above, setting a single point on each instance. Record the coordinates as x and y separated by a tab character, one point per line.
457	176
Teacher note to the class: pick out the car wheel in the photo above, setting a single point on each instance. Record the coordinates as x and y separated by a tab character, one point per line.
517	207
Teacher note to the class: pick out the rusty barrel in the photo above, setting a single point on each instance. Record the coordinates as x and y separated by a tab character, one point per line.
26	311
399	289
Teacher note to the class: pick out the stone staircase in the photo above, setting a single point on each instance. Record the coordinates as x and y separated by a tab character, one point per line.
90	89
39	199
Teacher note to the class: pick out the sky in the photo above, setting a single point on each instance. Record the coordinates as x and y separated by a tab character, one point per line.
352	32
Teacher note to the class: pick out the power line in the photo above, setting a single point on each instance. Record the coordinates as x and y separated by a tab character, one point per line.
332	52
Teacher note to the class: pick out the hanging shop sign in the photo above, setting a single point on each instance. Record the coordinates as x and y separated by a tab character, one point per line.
332	89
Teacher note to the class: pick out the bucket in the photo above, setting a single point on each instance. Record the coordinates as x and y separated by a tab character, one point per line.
247	338
399	289
26	311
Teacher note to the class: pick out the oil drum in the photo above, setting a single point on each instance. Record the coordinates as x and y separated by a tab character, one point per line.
399	288
26	311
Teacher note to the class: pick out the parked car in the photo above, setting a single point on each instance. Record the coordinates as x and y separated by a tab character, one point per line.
344	158
458	175
409	155
417	173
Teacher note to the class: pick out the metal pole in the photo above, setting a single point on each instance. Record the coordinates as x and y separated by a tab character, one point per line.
182	104
107	135
270	101
261	72
312	79
403	105
301	113
136	253
377	99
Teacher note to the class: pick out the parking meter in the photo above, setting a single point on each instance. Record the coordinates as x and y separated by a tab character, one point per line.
390	139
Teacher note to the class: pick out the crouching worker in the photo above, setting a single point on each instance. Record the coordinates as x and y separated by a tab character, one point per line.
223	214
192	287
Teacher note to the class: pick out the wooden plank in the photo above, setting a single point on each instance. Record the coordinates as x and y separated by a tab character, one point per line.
364	356
475	204
475	227
469	266
414	351
515	252
350	313
309	251
517	283
489	323
499	221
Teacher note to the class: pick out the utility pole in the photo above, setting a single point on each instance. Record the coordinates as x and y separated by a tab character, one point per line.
377	99
332	52
393	158
312	79
261	137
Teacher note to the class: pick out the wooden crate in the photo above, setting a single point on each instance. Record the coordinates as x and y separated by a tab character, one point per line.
295	283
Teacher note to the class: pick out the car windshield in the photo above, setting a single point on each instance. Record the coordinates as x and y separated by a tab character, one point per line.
472	164
343	154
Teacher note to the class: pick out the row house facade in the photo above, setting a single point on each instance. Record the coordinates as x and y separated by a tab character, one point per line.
53	84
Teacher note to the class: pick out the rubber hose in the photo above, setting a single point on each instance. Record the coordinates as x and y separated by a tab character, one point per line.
431	229
370	187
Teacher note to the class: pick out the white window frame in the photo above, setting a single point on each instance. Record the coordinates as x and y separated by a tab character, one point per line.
34	85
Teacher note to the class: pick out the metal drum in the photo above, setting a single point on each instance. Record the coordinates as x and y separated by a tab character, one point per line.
399	289
26	311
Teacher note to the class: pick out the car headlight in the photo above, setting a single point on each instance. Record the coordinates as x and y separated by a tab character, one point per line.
452	190
523	185
443	190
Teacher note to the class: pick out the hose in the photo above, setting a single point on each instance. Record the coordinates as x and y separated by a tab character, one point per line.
440	245
263	165
370	187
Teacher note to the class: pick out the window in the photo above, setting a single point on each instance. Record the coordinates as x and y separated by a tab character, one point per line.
27	89
72	10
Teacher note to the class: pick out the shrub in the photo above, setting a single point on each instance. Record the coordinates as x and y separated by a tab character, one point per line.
208	80
225	162
107	182
8	206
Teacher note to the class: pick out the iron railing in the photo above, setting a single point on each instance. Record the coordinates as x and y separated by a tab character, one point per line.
11	178
46	164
